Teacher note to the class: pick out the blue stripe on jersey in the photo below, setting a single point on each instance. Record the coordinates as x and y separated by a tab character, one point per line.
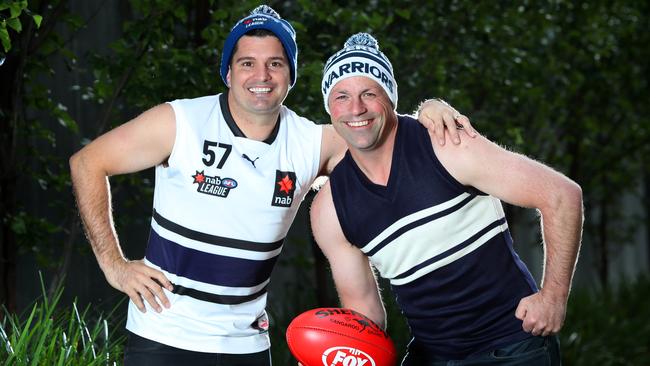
213	239
453	250
206	267
216	298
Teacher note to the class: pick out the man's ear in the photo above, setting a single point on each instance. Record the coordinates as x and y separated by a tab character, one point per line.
228	78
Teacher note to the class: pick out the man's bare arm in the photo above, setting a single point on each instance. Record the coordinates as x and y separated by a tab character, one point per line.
138	144
524	182
354	277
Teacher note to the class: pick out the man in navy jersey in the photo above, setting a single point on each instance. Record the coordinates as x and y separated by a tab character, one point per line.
231	171
429	219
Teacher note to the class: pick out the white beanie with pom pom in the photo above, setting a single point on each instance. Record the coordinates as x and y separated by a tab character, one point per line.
360	56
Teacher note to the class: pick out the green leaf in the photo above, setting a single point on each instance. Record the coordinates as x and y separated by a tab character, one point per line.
15	24
4	37
16	8
37	19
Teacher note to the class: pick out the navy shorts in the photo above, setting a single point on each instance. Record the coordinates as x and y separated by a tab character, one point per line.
533	351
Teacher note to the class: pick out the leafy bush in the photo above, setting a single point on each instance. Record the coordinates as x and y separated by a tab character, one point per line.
53	336
608	327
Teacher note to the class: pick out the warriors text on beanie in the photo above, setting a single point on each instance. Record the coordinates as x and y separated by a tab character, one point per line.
360	56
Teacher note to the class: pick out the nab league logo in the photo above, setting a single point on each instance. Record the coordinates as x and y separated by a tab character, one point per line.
285	186
214	186
346	356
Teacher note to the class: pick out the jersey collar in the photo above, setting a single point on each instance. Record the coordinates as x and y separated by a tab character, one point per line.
225	111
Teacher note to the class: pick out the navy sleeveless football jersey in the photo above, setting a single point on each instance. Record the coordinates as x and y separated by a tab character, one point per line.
444	247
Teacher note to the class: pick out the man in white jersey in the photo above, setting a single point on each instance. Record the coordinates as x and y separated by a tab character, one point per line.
428	218
231	171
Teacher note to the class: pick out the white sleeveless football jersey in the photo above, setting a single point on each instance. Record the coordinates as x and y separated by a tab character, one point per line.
223	205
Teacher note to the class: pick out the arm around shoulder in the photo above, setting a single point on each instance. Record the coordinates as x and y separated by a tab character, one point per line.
353	275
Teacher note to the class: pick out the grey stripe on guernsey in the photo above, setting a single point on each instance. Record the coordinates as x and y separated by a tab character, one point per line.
453	250
214	239
417	223
464	225
359	54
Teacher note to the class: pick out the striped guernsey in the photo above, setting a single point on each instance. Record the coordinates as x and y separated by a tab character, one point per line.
444	247
222	208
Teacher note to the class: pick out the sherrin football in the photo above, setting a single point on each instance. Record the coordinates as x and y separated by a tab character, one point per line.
339	337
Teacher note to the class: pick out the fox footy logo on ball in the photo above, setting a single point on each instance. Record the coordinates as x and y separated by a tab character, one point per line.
346	356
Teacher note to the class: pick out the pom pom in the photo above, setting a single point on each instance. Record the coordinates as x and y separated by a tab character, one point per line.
267	10
362	39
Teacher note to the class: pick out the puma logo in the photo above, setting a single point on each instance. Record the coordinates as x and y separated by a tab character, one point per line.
249	159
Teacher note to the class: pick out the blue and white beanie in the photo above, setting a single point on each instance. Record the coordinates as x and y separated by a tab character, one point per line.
360	56
262	17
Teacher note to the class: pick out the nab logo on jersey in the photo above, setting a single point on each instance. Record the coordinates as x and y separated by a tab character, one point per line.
285	186
346	356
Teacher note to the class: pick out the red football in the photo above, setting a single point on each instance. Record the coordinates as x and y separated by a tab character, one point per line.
339	337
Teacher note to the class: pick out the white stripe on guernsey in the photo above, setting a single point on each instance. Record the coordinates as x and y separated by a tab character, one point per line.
411	218
206	287
213	248
435	237
449	259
